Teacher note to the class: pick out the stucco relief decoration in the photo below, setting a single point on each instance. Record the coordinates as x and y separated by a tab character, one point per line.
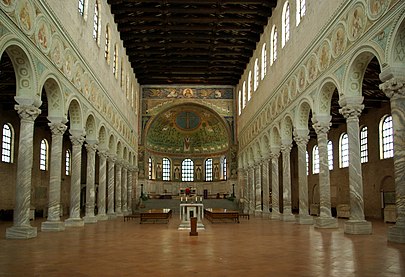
293	88
26	16
56	52
301	78
68	65
78	75
285	95
43	35
8	5
312	68
376	8
357	22
339	41
324	56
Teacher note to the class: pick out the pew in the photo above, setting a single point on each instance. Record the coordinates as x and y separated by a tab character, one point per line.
156	215
221	215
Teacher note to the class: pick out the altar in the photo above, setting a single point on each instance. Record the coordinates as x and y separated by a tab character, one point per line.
189	210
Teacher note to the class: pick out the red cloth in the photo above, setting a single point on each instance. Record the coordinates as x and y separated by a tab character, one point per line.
187	191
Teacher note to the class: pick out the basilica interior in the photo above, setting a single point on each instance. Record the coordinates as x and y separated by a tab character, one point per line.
288	115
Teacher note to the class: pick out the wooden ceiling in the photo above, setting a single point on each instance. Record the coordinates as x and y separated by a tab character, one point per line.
201	42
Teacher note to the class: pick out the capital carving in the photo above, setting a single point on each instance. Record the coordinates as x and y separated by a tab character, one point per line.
27	112
274	156
394	88
111	158
57	128
77	140
286	148
301	140
321	128
103	153
91	147
352	111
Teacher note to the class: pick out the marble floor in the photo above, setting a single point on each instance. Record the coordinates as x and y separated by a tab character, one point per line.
255	247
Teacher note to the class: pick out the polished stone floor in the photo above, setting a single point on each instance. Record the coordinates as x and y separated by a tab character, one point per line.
255	247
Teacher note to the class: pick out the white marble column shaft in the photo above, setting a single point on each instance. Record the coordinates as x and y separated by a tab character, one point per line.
101	199
130	189
356	223
287	211
275	205
395	90
124	190
21	228
266	187
258	189
245	195
74	217
118	186
89	217
303	217
53	222
110	189
325	220
252	190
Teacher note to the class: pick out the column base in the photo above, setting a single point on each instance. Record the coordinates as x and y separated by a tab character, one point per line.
258	213
52	226
74	222
90	219
275	216
326	222
358	227
102	217
396	234
21	232
288	217
305	220
112	216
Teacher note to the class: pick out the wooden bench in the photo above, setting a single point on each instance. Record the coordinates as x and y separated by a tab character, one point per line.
221	215
156	215
132	216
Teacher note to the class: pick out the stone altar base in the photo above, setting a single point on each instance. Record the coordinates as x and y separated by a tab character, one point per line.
358	227
74	222
287	217
90	219
102	217
326	222
21	232
305	220
396	234
52	226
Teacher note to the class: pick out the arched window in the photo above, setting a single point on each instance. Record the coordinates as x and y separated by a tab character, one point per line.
386	138
249	86
81	7
315	160
286	24
307	161
273	52
363	145
330	155
115	62
7	147
43	155
344	150
132	96
224	168
166	169
127	88
300	10
239	102
264	61
122	75
208	170
96	21
150	168
256	76
67	163
107	44
187	170
244	94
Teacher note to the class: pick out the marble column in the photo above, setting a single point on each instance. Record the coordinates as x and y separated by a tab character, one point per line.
252	189
321	126
53	222
124	189
266	188
258	189
395	90
356	224
302	138
130	189
275	207
74	217
245	195
118	185
287	211
101	209
110	189
21	228
89	217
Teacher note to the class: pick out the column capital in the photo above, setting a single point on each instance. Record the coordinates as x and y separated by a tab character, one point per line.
57	128
321	125
286	148
301	140
27	112
112	158
274	155
91	147
394	88
103	152
351	111
77	140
